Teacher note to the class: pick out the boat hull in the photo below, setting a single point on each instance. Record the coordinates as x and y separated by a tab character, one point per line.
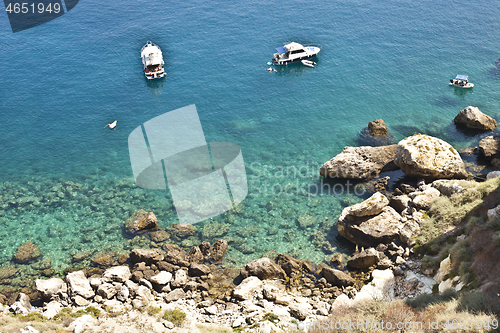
281	62
467	86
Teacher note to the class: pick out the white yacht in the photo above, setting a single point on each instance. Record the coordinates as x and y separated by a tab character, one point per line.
152	61
294	52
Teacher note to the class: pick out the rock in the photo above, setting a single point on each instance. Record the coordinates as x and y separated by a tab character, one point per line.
336	277
50	287
104	259
175	295
122	293
379	288
112	306
107	290
364	259
423	199
198	270
214	230
371	206
17	308
360	162
24	300
27	253
378	127
494	213
305	221
369	231
118	274
141	222
162	278
29	329
205	248
148	256
52	309
263	268
300	310
80	301
159	236
180	279
471	117
82	324
490	147
290	264
79	285
245	290
80	256
7	272
400	202
492	174
180	231
444	269
425	156
382	184
143	297
175	255
219	249
450	187
195	255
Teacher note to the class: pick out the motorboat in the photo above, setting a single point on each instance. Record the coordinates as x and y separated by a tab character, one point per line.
152	61
294	52
461	81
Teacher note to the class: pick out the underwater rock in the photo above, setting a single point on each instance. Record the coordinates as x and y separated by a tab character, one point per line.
26	253
263	268
219	249
378	127
7	272
490	147
148	256
80	256
180	231
364	259
141	222
104	259
305	221
45	263
159	236
248	231
425	156
214	230
204	247
195	255
471	117
360	162
369	231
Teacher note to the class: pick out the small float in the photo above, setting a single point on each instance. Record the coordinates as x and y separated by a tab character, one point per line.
308	63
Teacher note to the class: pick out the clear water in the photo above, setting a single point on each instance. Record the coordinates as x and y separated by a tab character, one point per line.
61	82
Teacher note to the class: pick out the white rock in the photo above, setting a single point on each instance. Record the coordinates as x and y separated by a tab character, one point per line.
161	278
300	310
18	308
444	269
238	322
371	206
424	199
493	174
79	285
82	324
29	329
268	327
50	287
52	309
180	279
107	290
247	287
123	293
80	301
118	274
381	287
144	296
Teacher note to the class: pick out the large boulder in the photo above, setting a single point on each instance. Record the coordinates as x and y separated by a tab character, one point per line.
263	268
118	274
175	255
27	253
149	256
471	117
290	264
378	127
371	206
423	199
141	222
369	231
219	249
50	287
79	285
360	162
490	147
247	287
364	259
180	231
425	156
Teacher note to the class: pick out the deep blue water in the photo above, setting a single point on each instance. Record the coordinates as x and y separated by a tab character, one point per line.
63	81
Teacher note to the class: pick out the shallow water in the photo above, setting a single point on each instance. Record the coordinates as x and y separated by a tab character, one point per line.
64	80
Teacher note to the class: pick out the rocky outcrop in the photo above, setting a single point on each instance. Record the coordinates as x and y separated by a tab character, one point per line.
378	127
148	256
50	287
429	157
364	259
360	162
262	268
141	222
118	274
369	231
471	117
336	277
27	253
490	147
247	287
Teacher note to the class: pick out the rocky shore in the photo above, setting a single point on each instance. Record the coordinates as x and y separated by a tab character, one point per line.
163	288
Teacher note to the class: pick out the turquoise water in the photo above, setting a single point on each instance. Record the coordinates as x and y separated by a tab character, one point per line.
66	181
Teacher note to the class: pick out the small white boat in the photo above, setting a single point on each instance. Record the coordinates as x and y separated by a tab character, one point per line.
308	63
461	81
152	61
294	52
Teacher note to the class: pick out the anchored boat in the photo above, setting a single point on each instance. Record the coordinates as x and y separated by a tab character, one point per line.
461	81
152	61
294	52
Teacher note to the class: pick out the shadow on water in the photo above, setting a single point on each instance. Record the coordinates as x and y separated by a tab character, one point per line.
494	71
447	101
155	86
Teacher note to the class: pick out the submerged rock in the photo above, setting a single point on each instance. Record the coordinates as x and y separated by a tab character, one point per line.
490	147
471	117
429	157
360	162
219	249
27	253
141	222
180	231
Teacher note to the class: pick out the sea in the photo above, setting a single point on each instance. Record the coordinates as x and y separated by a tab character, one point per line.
66	181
